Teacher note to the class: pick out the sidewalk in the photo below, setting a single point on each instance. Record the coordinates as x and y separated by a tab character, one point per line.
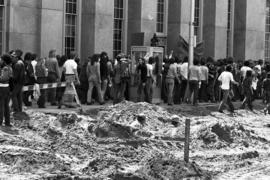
200	110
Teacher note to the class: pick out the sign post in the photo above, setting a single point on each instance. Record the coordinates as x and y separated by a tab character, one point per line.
187	136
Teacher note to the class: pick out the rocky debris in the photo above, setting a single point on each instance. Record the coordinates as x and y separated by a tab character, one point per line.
128	141
127	119
165	166
224	134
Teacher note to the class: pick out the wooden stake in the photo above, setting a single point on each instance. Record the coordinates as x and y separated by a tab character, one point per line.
187	137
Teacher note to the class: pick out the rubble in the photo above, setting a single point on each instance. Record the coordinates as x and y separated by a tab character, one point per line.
129	141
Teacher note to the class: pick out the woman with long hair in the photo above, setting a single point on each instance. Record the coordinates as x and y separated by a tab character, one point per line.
94	79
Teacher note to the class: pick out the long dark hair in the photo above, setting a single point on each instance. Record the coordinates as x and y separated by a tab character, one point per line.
94	59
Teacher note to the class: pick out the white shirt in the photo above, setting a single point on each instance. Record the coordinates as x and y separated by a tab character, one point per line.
226	78
34	64
70	66
259	67
244	70
204	73
184	70
149	69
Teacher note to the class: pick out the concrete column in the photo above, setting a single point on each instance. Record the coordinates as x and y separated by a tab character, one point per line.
148	20
178	23
52	32
249	30
104	18
23	25
215	28
134	36
88	29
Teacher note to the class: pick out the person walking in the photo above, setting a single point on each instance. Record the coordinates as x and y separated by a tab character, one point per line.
104	73
18	82
171	76
53	75
29	79
5	75
71	76
184	75
248	91
141	71
149	80
41	74
94	79
204	82
226	78
266	92
194	80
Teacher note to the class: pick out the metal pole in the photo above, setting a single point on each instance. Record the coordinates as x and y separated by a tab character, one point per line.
191	32
191	46
187	136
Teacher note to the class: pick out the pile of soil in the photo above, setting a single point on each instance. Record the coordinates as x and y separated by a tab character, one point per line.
127	120
218	134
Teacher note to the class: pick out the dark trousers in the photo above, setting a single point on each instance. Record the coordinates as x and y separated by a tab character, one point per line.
170	87
124	88
147	89
210	91
248	99
226	100
26	96
183	89
177	92
42	98
52	78
4	105
203	92
164	90
116	93
194	88
17	98
82	91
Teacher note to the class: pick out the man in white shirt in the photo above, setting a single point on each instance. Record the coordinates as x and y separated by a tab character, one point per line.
203	95
244	69
184	75
150	80
226	78
259	66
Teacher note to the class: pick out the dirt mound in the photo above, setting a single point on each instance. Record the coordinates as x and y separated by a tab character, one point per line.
223	134
162	166
127	119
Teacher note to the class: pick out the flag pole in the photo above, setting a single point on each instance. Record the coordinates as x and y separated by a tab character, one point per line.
191	46
191	33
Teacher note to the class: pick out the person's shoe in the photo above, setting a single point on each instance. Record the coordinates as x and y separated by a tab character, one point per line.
8	125
42	107
54	104
102	103
90	103
265	111
59	107
220	111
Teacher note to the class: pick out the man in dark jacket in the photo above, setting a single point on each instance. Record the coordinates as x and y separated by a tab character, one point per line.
18	82
5	75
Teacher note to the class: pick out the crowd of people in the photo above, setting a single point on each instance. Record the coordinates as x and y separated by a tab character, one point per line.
100	79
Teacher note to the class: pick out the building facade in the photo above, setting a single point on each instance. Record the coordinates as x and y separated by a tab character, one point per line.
238	28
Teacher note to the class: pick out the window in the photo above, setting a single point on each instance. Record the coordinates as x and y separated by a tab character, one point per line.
197	18
267	32
70	26
118	28
230	28
2	25
160	16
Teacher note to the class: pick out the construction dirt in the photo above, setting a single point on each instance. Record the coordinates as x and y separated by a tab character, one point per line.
136	141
